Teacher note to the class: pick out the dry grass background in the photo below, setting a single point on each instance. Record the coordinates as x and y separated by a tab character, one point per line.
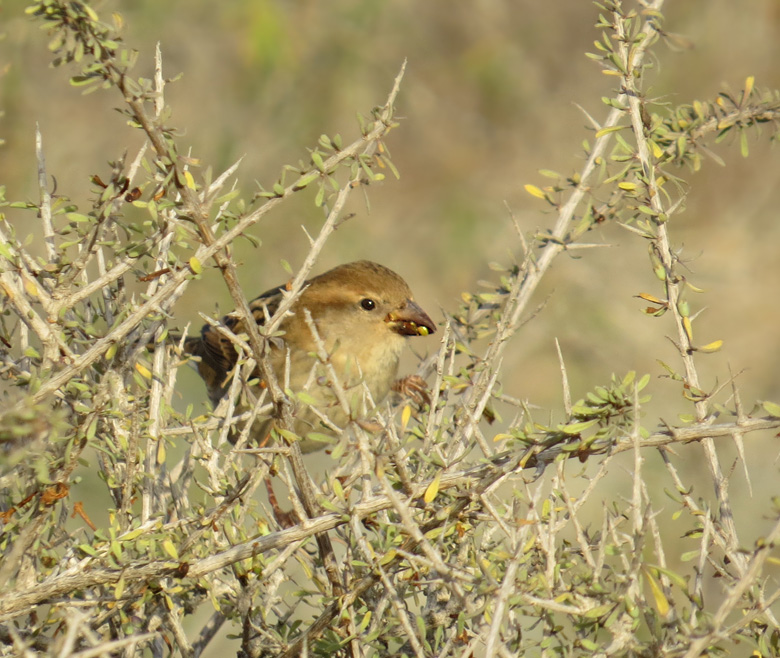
490	97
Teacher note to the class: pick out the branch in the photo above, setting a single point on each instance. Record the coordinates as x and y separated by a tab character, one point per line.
87	574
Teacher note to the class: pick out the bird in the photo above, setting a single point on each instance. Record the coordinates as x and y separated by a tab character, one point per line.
361	313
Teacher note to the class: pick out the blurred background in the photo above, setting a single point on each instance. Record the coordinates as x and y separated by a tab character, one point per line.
494	91
491	96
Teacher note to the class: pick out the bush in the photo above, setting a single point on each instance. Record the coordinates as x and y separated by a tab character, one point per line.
474	526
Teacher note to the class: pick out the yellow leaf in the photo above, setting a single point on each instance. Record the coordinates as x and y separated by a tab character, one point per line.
406	414
686	321
534	191
31	287
650	298
433	489
627	186
195	265
143	371
365	621
388	557
133	534
189	180
90	13
660	600
714	346
170	549
749	82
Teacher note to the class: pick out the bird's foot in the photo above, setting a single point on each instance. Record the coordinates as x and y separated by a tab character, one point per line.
414	388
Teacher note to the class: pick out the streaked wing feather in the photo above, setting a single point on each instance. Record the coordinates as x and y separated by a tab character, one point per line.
217	353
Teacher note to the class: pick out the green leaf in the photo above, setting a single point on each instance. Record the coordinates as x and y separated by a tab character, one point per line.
316	159
303	181
287	434
676	578
608	130
320	198
133	534
598	611
577	428
338	489
307	398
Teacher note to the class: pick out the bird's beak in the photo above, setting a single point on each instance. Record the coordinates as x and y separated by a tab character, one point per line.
410	320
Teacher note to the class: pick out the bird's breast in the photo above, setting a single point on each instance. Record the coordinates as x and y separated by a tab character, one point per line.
374	363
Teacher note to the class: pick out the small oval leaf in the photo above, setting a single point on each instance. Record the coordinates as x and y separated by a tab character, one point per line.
714	346
772	408
433	489
170	549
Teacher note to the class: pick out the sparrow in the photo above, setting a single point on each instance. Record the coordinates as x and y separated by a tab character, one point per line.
361	314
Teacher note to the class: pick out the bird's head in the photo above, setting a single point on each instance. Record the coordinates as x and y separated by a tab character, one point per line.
363	302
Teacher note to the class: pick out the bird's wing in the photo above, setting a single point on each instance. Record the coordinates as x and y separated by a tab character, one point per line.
217	353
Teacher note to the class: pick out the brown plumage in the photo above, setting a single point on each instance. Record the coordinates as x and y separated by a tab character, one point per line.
362	312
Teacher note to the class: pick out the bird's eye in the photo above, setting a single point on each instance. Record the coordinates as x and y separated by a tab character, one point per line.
368	304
